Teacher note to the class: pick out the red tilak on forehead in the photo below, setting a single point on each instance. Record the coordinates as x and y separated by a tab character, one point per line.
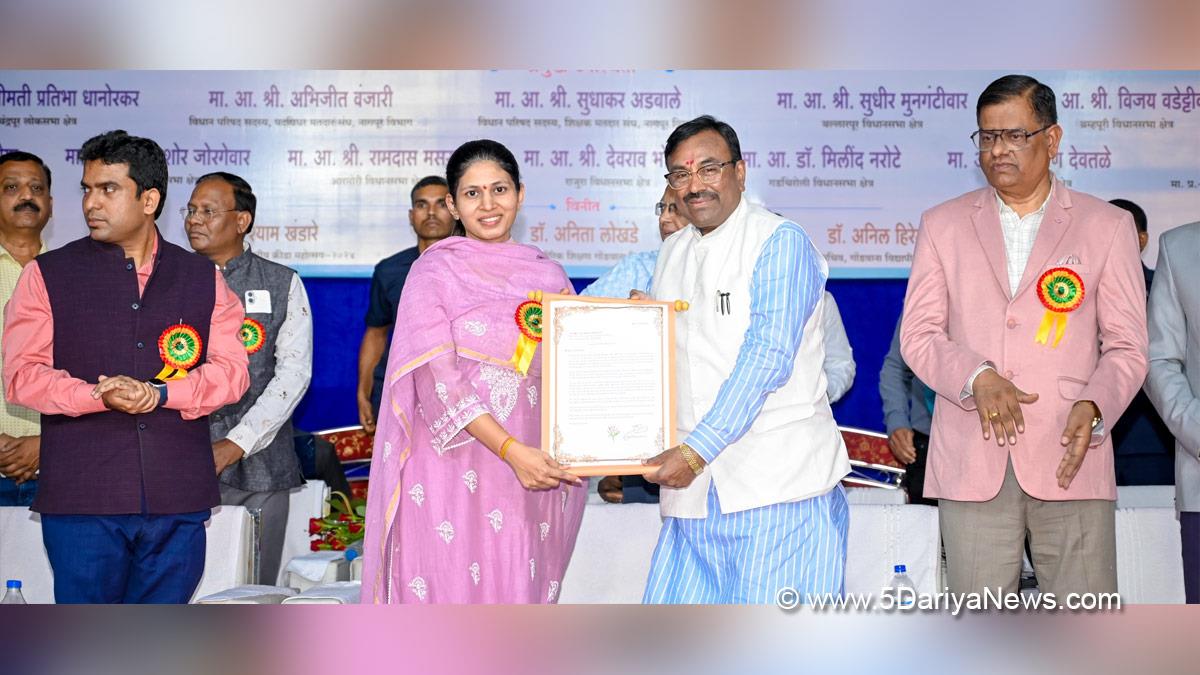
691	162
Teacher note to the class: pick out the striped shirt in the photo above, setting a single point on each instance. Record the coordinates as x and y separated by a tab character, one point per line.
784	290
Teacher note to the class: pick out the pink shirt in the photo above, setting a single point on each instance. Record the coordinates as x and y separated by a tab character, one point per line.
31	380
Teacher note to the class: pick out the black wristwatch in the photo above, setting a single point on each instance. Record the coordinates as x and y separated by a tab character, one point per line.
162	390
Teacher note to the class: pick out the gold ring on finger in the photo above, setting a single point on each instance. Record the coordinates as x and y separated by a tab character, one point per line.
994	414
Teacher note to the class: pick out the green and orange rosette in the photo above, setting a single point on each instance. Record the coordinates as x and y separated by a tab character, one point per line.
254	336
1061	292
179	347
529	321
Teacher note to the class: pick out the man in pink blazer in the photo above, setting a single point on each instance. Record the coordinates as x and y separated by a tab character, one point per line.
1026	313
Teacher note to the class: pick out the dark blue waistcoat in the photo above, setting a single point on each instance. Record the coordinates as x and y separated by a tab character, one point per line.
104	463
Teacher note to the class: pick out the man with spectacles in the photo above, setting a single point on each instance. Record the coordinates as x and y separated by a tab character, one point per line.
125	343
1012	289
25	209
751	499
635	271
431	221
252	440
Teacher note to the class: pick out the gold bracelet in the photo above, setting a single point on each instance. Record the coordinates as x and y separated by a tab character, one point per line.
504	446
690	456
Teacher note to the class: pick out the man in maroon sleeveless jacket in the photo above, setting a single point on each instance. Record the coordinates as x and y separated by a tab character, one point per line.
124	343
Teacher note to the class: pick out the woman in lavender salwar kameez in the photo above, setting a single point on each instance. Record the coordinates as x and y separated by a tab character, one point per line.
448	520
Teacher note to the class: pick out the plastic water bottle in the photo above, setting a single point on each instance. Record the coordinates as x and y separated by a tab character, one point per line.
903	587
13	595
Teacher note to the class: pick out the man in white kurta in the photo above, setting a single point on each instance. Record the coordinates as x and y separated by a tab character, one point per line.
751	500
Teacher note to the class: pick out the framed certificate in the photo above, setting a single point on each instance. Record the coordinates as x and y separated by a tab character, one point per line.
608	376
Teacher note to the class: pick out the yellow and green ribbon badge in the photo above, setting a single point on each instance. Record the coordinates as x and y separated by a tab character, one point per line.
253	335
179	347
529	321
1061	292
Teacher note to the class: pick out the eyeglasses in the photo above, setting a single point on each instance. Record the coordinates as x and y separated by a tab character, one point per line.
203	215
1016	139
709	173
661	208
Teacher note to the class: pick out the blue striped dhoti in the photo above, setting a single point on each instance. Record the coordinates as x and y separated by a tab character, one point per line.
748	556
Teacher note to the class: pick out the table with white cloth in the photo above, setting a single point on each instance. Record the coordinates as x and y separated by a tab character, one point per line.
612	554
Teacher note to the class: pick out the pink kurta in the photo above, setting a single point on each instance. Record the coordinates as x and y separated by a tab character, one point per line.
447	520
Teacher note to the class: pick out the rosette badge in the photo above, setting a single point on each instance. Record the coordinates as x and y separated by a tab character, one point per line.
253	335
529	321
179	347
1061	292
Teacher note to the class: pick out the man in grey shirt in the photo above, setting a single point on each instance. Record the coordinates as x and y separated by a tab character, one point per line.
907	412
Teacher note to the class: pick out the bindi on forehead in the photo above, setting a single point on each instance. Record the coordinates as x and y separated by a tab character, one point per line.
693	158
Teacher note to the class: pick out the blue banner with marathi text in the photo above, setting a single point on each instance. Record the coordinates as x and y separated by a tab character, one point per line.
852	156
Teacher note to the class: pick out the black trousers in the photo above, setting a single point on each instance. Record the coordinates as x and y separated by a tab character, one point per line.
914	477
1189	530
638	490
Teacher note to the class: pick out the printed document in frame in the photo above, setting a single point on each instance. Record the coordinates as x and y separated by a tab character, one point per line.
608	382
